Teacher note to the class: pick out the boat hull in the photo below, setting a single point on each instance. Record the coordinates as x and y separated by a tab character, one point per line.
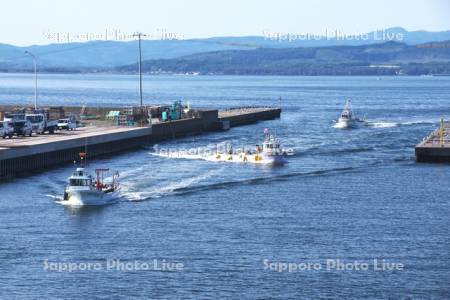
252	158
345	123
90	197
231	158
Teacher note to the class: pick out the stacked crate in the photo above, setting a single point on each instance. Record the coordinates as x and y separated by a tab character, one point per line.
130	116
55	112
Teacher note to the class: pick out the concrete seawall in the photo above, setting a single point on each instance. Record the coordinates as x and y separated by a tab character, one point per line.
179	128
244	116
20	155
42	152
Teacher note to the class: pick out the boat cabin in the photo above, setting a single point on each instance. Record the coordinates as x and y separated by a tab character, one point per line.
78	178
271	145
347	112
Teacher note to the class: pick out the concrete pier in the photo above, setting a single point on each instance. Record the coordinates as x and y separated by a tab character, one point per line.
23	154
431	149
249	115
19	155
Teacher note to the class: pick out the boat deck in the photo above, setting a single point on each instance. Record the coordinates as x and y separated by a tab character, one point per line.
431	150
433	140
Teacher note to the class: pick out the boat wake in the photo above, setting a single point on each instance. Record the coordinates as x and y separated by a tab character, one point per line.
189	187
164	189
193	184
383	124
57	198
231	158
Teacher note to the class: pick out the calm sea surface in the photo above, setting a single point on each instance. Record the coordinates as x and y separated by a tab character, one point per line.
345	197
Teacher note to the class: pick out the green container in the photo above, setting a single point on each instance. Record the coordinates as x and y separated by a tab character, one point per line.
164	115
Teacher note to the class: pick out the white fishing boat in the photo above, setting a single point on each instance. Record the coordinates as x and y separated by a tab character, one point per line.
347	119
85	189
269	153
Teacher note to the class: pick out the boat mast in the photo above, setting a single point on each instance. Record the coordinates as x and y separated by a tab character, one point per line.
82	159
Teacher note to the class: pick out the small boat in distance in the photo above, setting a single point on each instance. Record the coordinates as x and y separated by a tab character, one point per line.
83	189
347	119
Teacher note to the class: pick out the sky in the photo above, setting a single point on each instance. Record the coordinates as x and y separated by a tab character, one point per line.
27	22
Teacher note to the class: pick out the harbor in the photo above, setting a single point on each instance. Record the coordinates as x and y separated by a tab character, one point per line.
225	150
222	218
436	146
23	154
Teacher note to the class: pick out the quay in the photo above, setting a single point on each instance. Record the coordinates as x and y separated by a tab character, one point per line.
435	147
247	115
30	154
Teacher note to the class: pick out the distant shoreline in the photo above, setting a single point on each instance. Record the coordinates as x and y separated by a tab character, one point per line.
382	59
206	75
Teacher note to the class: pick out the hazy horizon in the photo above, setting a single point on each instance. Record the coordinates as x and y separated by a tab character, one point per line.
34	23
82	39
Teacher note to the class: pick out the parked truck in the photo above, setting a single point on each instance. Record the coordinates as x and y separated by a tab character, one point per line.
6	129
21	126
41	123
67	123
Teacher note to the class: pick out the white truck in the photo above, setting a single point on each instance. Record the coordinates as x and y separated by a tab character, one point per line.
6	129
41	124
21	126
67	123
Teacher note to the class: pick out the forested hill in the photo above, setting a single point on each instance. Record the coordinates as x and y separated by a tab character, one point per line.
391	58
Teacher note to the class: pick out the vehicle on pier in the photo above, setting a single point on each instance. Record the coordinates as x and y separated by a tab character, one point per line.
83	189
6	129
41	123
21	126
67	123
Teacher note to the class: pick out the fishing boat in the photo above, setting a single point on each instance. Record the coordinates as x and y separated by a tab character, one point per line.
270	153
85	189
347	119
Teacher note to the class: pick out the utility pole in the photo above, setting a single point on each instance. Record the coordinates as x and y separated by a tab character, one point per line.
139	35
35	77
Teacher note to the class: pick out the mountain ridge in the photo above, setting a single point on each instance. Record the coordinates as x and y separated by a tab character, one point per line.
390	58
111	54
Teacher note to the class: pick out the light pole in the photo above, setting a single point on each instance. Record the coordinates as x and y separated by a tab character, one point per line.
139	35
35	77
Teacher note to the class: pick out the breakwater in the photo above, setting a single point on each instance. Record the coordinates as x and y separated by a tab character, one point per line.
19	155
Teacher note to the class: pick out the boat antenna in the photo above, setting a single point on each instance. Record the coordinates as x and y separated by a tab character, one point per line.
85	151
82	159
